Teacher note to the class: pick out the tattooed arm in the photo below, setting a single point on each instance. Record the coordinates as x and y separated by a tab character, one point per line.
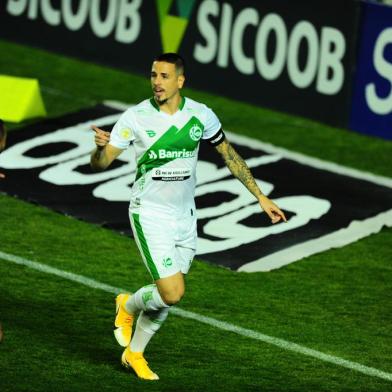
240	170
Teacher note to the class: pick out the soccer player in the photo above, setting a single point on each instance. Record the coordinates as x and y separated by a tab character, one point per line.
165	131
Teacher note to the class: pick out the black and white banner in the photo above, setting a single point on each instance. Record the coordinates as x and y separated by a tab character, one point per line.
328	205
286	55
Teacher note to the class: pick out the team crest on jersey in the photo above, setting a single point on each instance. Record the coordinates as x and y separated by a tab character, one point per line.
195	133
126	133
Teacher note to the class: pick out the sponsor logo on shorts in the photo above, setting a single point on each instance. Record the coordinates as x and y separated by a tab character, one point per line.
167	262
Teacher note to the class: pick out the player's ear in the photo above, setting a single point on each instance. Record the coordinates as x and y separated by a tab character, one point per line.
181	80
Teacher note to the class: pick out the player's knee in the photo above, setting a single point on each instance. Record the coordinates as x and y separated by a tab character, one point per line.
172	297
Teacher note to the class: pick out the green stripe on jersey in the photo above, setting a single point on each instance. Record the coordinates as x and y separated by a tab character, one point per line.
182	103
174	143
153	103
144	246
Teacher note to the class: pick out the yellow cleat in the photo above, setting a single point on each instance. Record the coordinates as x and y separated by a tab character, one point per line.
123	321
136	361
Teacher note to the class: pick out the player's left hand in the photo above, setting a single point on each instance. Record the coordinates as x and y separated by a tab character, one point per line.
273	211
2	176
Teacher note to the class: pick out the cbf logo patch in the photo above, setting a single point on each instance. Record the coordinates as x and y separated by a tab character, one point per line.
126	133
195	133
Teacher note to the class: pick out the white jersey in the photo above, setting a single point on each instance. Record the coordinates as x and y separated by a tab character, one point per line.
166	148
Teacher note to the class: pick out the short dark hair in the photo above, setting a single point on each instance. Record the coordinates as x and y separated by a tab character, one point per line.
173	58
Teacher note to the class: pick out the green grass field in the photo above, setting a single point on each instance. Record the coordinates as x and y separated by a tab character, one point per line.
58	333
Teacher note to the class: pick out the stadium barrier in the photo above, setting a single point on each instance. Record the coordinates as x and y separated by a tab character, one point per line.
371	109
288	56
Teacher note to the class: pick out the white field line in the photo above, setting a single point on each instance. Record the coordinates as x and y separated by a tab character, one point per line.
281	343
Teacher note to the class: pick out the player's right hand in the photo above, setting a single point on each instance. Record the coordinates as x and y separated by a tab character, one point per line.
101	137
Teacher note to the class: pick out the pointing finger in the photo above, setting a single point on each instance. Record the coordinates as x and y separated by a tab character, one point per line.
283	216
96	129
277	215
99	130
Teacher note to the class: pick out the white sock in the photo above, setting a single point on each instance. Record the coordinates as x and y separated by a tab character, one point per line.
147	325
147	298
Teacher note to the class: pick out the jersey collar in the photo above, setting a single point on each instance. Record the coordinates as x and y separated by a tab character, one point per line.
156	106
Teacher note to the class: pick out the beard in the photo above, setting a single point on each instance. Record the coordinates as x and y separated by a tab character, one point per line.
161	101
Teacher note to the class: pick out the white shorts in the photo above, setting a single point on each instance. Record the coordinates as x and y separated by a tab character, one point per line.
167	244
